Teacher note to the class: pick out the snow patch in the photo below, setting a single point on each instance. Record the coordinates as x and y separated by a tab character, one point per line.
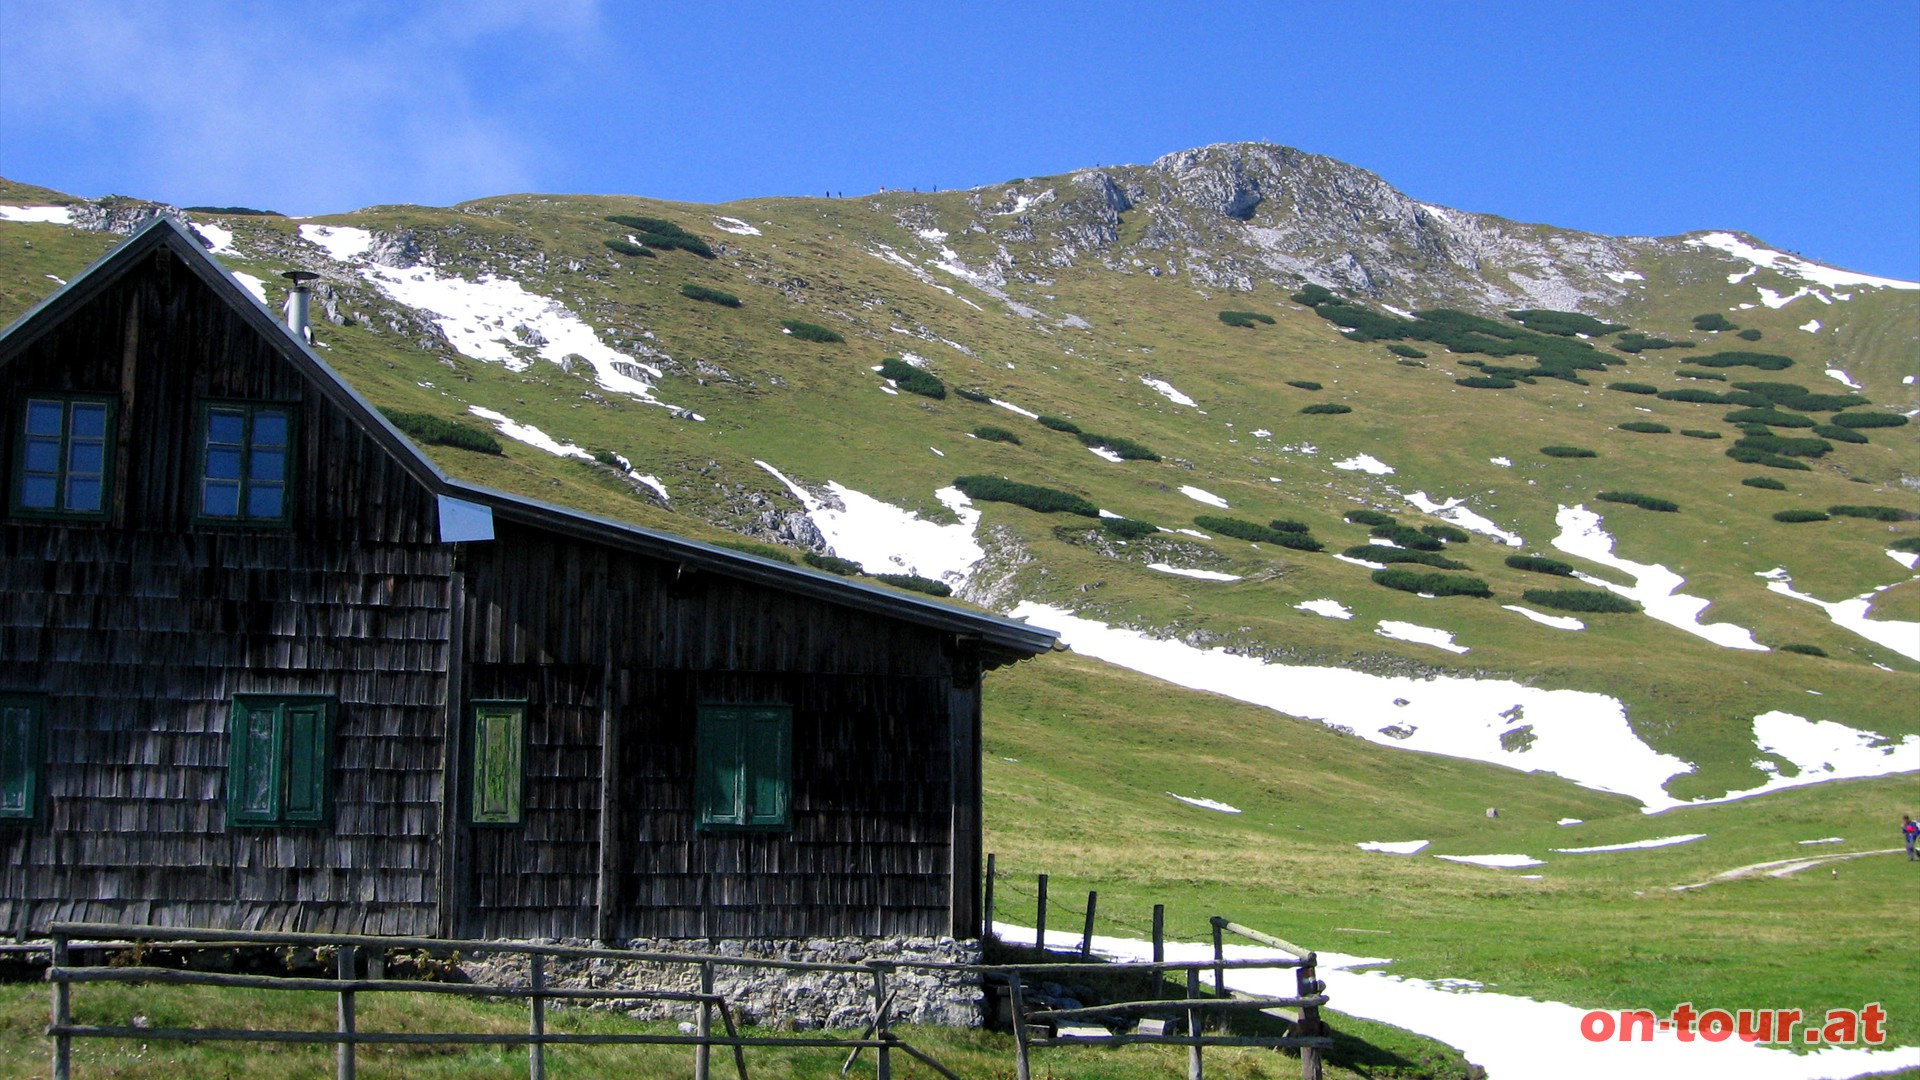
1558	622
1203	575
1361	562
1166	390
1365	463
1824	840
1011	407
1812	326
1793	265
1499	861
1851	615
1840	376
885	539
1505	463
1655	587
252	284
1206	804
1624	276
1394	847
343	243
1332	609
1658	841
219	240
44	215
1458	512
529	434
1106	454
1422	635
735	226
1199	495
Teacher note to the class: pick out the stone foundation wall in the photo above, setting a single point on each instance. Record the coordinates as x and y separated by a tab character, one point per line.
772	996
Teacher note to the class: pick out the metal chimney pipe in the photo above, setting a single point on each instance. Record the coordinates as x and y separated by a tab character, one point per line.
299	302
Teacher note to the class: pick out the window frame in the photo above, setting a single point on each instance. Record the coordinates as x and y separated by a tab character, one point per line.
480	761
109	445
203	434
293	755
31	760
730	766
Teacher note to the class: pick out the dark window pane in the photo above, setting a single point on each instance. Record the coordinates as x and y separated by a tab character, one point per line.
37	492
269	428
83	493
89	420
226	426
46	417
221	498
267	465
85	457
223	464
43	456
265	501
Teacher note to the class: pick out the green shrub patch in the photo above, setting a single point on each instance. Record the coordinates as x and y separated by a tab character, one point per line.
660	233
1407	351
1591	601
440	431
1644	502
807	331
1870	420
1446	533
1906	543
1749	456
1693	394
1795	516
711	296
1697	433
912	379
1540	564
1689	373
1874	513
1416	581
1637	342
916	583
1803	650
1304	384
1712	323
625	248
1406	536
830	563
1646	427
1634	387
1562	323
1245	319
1487	382
1327	408
765	551
1371	517
1766	482
995	434
1125	447
1380	553
1046	500
1749	334
1286	526
972	395
1783	444
1567	452
1772	417
1763	361
1314	295
1836	433
1129	528
1057	424
1243	529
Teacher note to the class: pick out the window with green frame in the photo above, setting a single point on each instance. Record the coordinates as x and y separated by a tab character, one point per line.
279	759
246	451
22	720
499	762
744	767
63	457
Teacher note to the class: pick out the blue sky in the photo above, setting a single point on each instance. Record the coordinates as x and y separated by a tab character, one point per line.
1799	123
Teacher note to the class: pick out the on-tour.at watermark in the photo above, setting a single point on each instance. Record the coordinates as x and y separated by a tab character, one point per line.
1865	1026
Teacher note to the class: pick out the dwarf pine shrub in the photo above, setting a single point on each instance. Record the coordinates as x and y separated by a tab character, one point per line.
1693	394
1287	526
1749	334
832	564
1634	387
1125	447
1772	417
1304	384
711	296
1591	601
765	551
1688	373
625	248
1379	553
1749	456
1796	516
664	234
440	431
1046	500
1446	533
1766	482
1698	433
807	331
1540	564
1562	323
995	434
1487	382
1416	581
1763	361
1239	528
1870	420
912	379
1407	351
1410	363
1712	322
1327	408
973	395
1314	295
1245	319
1371	517
1637	342
1906	543
1646	427
916	583
1874	513
1783	444
1836	433
1058	424
1406	536
1644	502
1568	452
1803	650
1129	528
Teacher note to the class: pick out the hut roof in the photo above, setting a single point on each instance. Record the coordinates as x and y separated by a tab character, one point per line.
1002	640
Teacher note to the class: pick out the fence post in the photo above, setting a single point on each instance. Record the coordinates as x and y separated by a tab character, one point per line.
343	1052
883	1069
1193	1026
1219	953
1159	949
1016	998
537	1026
62	1011
1040	919
986	906
1086	935
703	1053
1309	985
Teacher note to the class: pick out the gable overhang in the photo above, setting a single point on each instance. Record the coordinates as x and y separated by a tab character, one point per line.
999	641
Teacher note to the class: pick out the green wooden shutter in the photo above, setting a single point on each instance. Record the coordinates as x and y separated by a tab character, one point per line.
253	764
305	737
767	757
19	757
499	762
721	780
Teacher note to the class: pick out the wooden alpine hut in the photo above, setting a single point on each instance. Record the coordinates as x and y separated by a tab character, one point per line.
263	665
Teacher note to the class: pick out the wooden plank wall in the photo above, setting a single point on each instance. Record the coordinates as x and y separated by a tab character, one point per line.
141	630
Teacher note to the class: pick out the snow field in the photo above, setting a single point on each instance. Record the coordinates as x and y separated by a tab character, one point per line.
876	534
1655	586
45	215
